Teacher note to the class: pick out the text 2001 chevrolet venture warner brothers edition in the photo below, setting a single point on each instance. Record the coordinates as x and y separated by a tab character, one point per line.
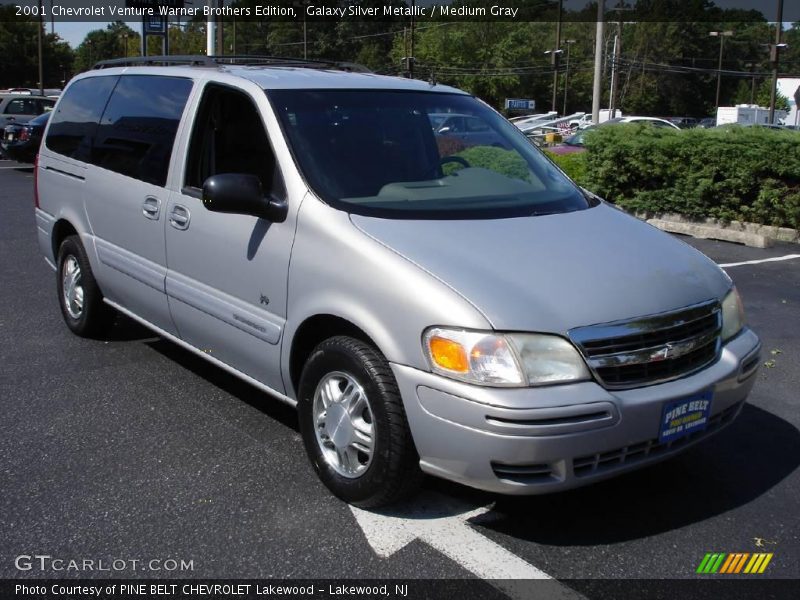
432	300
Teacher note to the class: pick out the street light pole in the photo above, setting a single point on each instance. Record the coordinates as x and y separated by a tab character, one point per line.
566	75
721	35
775	56
598	61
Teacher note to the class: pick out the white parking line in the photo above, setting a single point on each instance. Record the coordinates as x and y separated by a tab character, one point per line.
763	260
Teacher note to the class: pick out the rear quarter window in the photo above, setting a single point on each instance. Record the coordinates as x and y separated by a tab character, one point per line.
74	122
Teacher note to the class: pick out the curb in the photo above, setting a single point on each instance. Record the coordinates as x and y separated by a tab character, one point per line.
754	240
739	232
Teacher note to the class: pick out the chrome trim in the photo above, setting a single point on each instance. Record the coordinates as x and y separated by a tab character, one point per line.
625	332
653	353
643	324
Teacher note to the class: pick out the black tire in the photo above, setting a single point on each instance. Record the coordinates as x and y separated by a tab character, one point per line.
95	317
393	472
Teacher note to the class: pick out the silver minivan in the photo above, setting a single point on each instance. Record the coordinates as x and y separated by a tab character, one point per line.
429	305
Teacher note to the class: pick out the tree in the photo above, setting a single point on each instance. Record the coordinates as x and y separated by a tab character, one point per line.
19	62
115	41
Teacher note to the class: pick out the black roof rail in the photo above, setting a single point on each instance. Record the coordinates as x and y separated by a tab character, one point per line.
201	60
179	60
284	61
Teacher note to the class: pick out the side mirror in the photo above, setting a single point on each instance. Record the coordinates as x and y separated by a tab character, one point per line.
241	193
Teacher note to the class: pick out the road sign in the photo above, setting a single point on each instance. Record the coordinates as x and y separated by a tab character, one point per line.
155	25
520	104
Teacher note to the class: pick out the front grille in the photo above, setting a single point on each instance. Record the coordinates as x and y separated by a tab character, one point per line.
594	464
652	349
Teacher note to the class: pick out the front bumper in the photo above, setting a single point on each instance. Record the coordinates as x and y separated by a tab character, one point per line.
547	439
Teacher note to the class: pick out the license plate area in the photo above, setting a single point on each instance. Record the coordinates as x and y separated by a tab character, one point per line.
685	416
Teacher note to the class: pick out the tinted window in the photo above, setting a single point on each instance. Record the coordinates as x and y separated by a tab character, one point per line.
229	137
138	127
23	106
75	120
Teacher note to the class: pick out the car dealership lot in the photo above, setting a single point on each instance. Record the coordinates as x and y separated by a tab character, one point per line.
133	448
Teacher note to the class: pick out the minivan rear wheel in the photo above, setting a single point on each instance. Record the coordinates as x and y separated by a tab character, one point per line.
354	426
79	296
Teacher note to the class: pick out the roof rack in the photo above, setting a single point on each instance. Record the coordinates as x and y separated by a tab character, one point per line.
201	60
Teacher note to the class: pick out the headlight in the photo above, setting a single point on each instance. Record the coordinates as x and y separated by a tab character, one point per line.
513	360
732	315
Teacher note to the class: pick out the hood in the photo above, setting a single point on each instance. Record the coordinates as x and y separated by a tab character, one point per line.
555	272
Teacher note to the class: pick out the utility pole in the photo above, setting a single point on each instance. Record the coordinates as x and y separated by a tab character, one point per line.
566	75
775	57
411	56
721	35
555	56
616	64
598	61
41	50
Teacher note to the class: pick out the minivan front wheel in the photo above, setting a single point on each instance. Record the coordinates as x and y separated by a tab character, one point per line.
353	424
79	296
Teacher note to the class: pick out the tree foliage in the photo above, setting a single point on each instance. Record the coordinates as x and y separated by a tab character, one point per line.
19	54
666	68
734	173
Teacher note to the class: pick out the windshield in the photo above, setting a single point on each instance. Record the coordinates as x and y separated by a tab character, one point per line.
424	155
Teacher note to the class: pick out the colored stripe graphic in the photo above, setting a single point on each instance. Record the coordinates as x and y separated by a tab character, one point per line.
765	563
740	564
717	564
728	563
703	563
734	563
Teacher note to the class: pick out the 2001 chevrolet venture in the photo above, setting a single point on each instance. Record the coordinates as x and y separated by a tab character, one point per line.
430	305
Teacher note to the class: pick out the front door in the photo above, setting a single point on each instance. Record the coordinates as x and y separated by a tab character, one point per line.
226	278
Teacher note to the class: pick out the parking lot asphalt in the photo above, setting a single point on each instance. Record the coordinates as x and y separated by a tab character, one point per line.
133	448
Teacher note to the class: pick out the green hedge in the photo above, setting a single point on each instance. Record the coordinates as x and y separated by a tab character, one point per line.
737	173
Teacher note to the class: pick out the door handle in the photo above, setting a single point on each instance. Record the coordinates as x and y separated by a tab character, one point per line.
151	207
179	217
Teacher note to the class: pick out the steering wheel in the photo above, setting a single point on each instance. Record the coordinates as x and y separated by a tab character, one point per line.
454	159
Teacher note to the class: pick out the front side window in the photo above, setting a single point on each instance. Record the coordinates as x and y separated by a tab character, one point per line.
399	154
137	130
75	121
229	137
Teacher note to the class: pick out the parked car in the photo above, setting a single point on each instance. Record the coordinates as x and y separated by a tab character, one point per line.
470	130
485	320
19	108
574	143
21	141
707	123
683	122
